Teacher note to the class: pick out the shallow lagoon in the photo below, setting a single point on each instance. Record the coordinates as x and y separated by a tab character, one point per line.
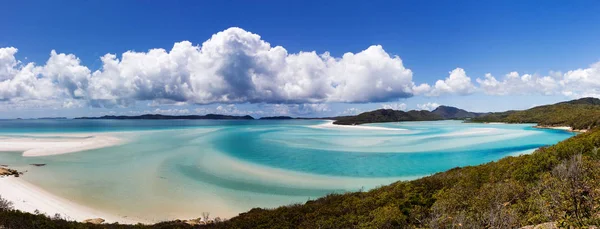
180	168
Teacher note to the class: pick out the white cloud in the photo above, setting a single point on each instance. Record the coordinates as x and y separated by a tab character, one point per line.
516	84
575	83
66	73
457	83
394	106
71	103
422	89
228	109
233	66
369	76
351	111
582	82
231	109
294	109
8	62
236	66
56	84
428	106
22	83
171	111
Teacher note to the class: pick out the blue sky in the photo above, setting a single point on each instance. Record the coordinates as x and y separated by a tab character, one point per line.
431	38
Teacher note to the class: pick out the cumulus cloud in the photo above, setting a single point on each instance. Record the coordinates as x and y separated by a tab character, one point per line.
21	83
582	82
428	106
236	66
172	111
233	66
575	83
351	111
394	106
457	83
516	84
295	109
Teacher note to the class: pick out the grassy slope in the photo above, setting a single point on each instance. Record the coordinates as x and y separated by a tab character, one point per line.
579	114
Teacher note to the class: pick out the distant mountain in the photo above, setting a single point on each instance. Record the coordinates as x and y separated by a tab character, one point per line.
276	118
159	116
387	115
580	114
448	112
52	118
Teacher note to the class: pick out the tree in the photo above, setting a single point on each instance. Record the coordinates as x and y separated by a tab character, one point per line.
205	216
5	205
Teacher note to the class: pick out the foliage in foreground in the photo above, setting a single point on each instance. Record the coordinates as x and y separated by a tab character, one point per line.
559	184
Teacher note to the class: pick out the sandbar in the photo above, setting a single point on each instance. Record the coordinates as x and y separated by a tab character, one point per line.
48	145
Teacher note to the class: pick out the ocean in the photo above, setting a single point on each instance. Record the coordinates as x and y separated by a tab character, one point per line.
168	169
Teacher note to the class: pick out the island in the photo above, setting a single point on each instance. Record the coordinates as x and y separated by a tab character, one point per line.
160	117
448	112
389	115
276	118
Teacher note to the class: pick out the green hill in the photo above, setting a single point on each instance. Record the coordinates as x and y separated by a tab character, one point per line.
448	112
387	115
579	114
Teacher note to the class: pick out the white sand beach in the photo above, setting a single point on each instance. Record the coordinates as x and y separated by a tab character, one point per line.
565	128
29	198
42	145
330	125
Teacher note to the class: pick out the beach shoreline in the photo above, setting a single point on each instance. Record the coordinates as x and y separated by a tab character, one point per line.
27	197
329	125
565	128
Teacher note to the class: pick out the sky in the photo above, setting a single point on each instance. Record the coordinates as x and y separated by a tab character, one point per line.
302	58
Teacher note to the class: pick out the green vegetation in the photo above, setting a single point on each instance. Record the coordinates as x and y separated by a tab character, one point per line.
387	115
448	112
171	117
579	114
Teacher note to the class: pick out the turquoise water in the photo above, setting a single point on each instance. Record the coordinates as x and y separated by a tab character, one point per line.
180	168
